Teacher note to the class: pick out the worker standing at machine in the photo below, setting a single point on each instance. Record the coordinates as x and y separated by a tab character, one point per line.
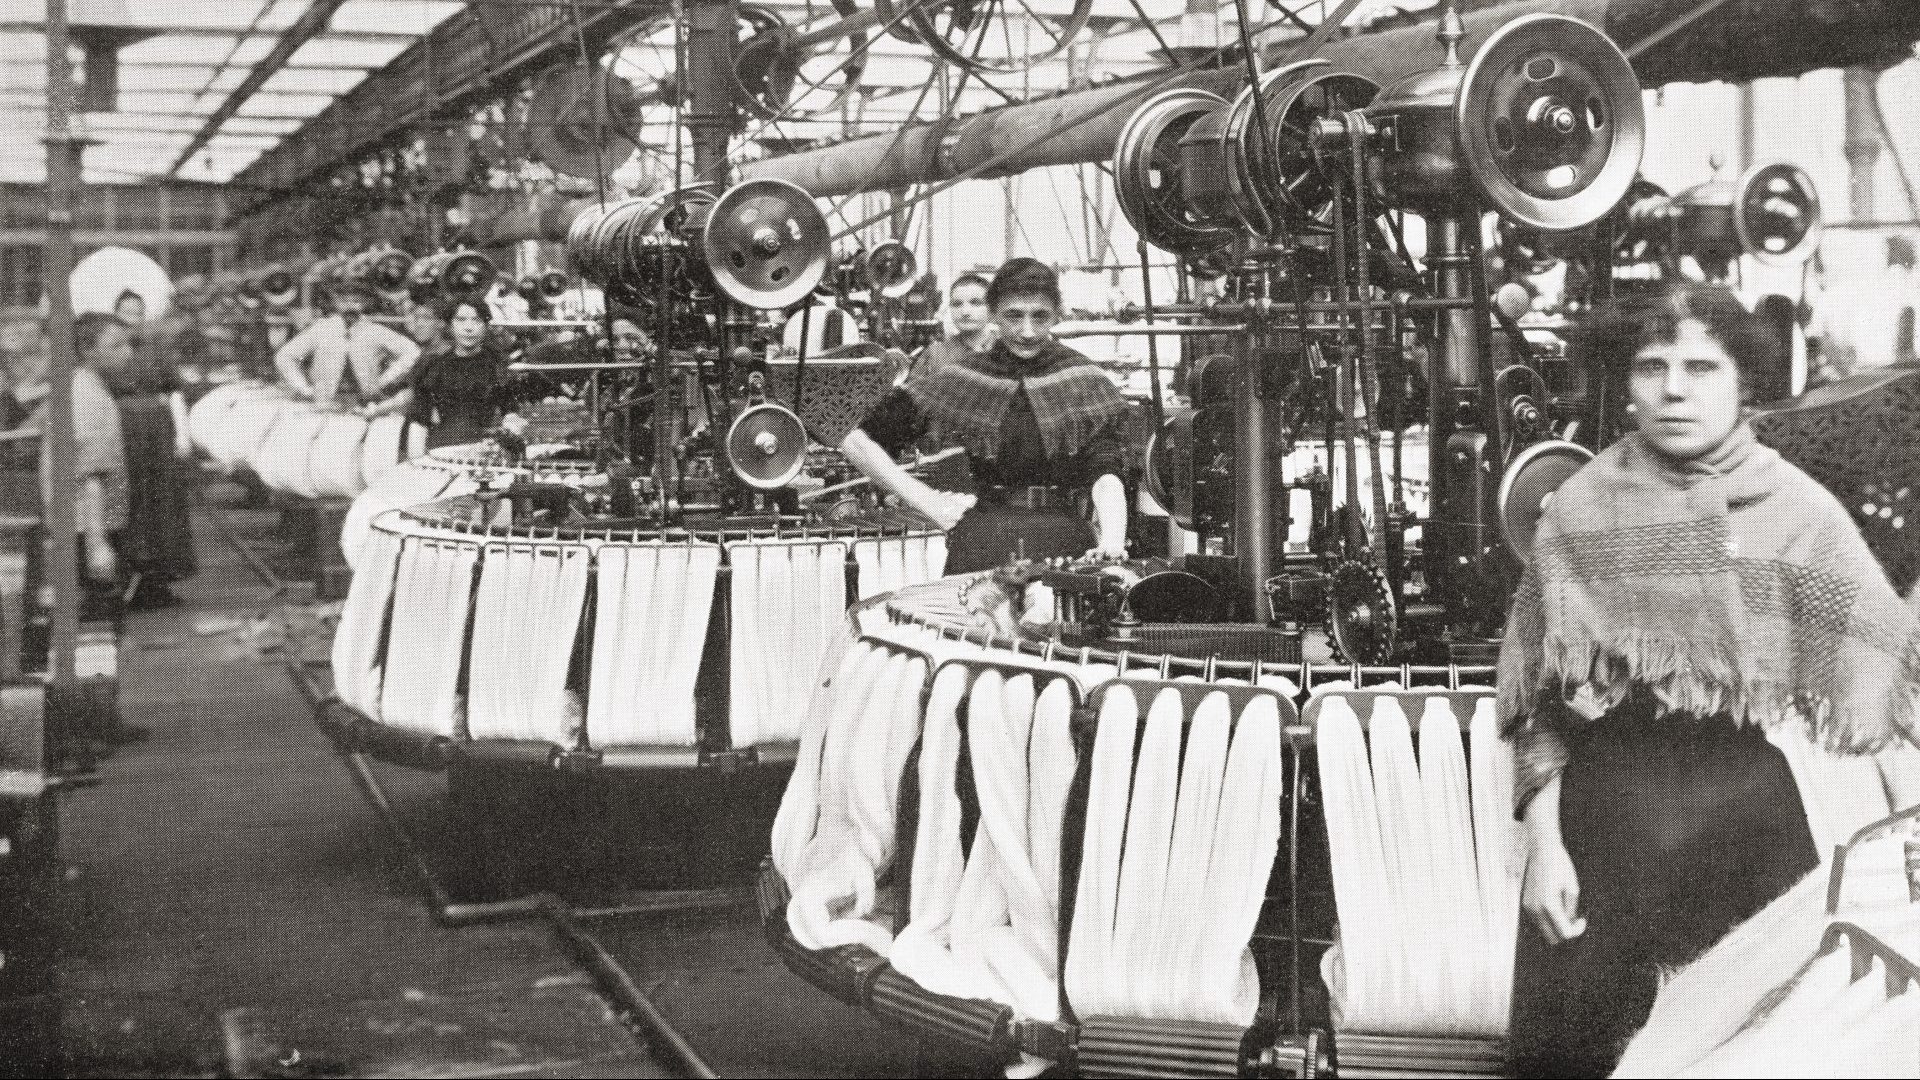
1689	590
1040	423
972	327
458	392
343	357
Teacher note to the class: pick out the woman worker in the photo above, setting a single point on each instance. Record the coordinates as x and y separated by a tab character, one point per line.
458	392
158	541
1040	423
1688	590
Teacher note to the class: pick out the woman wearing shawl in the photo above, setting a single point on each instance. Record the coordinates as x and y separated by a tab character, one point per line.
1041	426
1688	590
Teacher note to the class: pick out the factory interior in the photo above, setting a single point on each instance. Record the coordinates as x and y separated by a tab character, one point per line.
959	538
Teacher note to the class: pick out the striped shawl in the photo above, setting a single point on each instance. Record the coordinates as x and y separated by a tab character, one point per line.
1736	587
968	398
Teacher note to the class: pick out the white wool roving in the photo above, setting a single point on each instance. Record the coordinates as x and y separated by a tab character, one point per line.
1094	979
1458	921
1499	848
1051	763
425	643
1709	1001
650	630
525	623
1174	941
356	642
1246	842
835	888
981	903
1139	914
870	575
1357	971
923	952
1801	1046
793	825
786	599
1412	878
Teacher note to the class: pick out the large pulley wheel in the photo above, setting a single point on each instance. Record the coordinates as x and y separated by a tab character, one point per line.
990	36
767	244
1528	486
1361	615
1550	122
1148	181
1288	178
779	75
767	446
890	269
1776	214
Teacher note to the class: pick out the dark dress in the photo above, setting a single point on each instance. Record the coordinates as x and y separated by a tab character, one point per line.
1680	829
459	398
1010	449
157	543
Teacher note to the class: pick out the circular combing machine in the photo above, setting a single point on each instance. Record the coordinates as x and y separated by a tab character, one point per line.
294	447
619	644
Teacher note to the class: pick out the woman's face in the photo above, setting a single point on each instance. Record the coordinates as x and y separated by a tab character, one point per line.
1685	393
1026	324
629	341
131	310
424	325
112	350
467	327
967	306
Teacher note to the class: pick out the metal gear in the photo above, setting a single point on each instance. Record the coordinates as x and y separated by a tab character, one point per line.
1361	615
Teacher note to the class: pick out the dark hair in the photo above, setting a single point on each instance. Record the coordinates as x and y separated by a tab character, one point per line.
627	313
88	329
124	294
1023	277
971	277
1612	336
448	306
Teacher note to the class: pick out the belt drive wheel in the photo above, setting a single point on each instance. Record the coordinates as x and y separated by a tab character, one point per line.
1361	614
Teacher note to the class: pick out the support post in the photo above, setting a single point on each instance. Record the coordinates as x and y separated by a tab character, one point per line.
710	115
1862	142
63	179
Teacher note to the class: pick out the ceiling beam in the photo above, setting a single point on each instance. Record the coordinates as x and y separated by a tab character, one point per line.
382	37
311	24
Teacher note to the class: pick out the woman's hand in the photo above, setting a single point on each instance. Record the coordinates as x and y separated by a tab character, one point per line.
183	449
1551	893
946	508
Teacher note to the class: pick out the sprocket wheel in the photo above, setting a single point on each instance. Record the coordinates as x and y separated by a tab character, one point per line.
1361	615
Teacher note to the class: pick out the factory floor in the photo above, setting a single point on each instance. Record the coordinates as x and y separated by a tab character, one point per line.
234	908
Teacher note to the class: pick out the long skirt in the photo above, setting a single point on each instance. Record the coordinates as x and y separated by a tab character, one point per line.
158	539
1679	829
991	533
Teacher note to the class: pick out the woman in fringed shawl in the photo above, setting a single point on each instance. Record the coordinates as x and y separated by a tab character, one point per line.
1041	425
1688	590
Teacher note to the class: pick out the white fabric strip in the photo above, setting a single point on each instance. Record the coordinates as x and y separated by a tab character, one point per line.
425	644
787	598
525	624
1355	968
799	813
1093	979
1246	841
923	951
356	641
650	630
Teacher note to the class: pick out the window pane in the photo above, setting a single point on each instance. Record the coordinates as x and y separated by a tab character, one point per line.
136	208
23	208
195	259
194	208
19	276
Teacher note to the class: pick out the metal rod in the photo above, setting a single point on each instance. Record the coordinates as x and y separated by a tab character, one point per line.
1135	330
1153	340
63	178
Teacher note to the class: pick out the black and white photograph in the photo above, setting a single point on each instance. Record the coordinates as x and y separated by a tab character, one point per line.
959	538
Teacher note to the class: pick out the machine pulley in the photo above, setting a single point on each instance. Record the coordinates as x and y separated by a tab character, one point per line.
1149	182
450	274
1551	126
767	446
766	244
890	269
1528	485
1776	214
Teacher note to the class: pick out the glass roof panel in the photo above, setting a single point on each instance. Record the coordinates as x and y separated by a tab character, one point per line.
389	16
354	51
